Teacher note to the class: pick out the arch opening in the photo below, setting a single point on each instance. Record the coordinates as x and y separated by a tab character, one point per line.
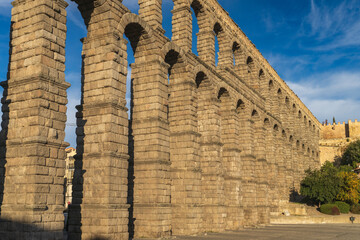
167	16
197	18
217	30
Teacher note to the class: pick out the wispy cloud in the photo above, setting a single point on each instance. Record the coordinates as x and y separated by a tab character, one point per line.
331	94
75	17
333	26
289	66
5	7
5	3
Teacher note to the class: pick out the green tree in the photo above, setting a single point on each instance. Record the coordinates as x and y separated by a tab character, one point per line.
350	187
351	156
321	186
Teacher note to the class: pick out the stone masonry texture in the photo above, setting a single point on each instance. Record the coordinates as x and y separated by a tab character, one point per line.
334	139
210	145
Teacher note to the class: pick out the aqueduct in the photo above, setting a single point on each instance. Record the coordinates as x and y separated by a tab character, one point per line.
208	147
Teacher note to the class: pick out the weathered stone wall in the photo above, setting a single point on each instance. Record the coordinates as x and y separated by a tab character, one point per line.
335	138
207	148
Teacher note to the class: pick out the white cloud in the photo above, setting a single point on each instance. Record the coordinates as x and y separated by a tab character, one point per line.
333	26
331	94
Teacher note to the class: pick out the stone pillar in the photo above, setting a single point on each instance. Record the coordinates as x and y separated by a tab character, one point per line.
283	159
281	177
151	12
206	45
184	154
276	186
299	165
34	117
152	186
247	169
211	160
231	163
271	169
225	51
261	177
182	26
290	178
241	70
253	76
100	208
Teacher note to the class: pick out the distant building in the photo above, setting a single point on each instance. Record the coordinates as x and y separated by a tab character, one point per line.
335	138
69	174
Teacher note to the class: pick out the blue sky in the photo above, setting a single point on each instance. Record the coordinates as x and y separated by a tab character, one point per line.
314	45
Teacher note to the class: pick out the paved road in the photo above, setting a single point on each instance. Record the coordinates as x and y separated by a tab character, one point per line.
289	232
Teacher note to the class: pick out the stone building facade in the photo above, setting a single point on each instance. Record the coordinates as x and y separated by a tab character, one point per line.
335	138
69	175
209	147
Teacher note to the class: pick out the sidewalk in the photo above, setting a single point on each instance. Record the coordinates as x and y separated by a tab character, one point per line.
289	232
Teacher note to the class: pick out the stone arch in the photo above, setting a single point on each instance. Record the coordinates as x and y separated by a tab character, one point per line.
255	114
250	64
131	18
276	127
200	77
172	46
271	84
267	122
220	35
222	92
240	105
237	53
294	108
279	92
202	18
261	74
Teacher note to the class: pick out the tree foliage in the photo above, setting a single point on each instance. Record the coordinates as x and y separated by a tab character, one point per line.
351	156
350	187
321	186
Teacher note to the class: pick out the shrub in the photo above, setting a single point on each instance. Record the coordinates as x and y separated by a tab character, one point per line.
355	208
330	209
350	186
321	186
343	207
351	155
